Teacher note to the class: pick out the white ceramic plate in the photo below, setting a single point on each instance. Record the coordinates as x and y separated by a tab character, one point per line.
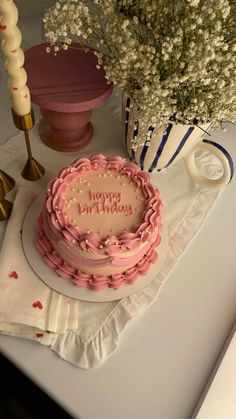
66	287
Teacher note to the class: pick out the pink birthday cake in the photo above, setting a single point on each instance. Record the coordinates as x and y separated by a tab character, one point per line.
100	225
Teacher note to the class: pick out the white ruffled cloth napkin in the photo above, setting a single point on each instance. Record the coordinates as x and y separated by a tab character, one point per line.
85	333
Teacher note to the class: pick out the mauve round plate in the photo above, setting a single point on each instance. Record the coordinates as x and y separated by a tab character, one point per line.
66	82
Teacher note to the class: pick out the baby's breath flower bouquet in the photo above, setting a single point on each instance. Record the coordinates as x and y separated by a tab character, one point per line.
176	60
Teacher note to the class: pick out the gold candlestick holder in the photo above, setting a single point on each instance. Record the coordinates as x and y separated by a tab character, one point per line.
6	181
5	205
32	169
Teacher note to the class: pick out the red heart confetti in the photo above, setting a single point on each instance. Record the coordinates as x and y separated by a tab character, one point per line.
3	27
13	274
39	335
37	304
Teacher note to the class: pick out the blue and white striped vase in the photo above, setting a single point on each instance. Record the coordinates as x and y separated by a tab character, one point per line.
177	141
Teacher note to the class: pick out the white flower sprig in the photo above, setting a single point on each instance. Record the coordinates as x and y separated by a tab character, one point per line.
174	59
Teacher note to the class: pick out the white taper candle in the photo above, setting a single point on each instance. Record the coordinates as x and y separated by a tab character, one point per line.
19	92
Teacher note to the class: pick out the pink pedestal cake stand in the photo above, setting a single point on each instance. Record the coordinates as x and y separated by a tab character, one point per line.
66	87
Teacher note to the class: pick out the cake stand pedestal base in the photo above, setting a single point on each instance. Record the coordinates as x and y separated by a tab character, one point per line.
64	131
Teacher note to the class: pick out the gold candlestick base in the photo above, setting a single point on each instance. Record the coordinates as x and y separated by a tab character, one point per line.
5	206
24	122
5	209
6	181
32	170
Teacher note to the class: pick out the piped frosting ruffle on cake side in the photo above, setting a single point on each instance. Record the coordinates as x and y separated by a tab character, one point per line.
93	282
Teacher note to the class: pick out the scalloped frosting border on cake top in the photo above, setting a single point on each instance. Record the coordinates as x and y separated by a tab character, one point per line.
90	241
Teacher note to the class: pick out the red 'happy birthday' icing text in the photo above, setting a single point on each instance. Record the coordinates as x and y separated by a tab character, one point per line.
105	203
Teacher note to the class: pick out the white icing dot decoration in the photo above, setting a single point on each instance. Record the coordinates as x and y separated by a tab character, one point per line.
86	241
101	246
49	190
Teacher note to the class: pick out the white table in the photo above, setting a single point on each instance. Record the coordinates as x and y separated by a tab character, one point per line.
165	357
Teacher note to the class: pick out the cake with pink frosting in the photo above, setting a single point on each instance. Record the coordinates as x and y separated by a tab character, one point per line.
100	225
